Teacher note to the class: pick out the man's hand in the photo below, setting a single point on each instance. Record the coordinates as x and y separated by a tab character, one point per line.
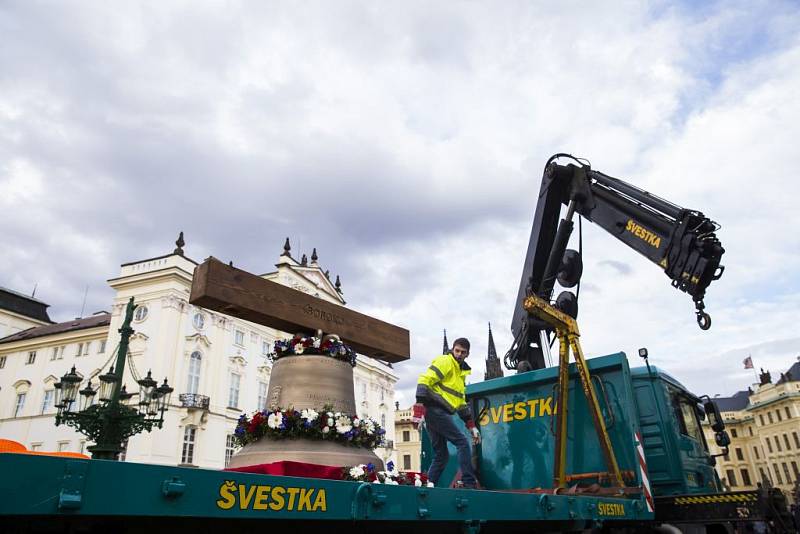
417	414
476	435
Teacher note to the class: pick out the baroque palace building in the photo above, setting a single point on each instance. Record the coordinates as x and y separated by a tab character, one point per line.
764	426
217	364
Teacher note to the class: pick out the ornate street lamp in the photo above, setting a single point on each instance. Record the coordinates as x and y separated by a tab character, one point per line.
111	421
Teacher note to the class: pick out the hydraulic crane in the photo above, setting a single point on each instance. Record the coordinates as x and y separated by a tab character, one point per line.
680	241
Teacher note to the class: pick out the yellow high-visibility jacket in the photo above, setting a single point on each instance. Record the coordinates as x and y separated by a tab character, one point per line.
444	384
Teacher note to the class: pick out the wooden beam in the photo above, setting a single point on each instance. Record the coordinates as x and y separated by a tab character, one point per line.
235	292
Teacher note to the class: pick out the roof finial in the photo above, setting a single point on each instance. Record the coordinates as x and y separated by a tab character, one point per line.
304	260
338	284
179	245
286	248
314	256
327	274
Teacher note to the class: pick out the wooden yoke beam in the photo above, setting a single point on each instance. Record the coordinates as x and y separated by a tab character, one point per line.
235	292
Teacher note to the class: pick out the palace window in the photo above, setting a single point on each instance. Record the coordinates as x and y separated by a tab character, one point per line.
731	477
777	473
406	462
86	348
140	314
20	404
786	441
733	433
195	364
761	417
746	477
786	472
233	390
750	430
63	446
230	448
199	321
796	471
36	446
80	350
796	440
2	361
739	455
47	401
769	445
187	453
778	414
31	357
238	338
265	347
788	412
406	435
769	416
54	355
102	347
777	443
755	451
262	396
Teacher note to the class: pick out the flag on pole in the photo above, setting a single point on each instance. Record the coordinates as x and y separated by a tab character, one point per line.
748	362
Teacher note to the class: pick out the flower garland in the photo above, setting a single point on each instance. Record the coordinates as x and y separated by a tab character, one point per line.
390	477
328	346
309	424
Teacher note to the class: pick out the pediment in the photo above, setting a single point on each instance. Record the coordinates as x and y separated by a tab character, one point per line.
199	339
238	361
138	342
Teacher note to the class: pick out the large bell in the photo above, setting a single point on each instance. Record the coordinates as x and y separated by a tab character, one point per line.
300	382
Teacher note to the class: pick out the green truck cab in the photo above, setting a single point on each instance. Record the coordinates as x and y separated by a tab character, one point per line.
654	425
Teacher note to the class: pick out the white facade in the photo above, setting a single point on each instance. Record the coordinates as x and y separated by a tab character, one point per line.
216	363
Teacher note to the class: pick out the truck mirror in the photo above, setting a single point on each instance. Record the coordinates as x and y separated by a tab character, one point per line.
722	438
714	417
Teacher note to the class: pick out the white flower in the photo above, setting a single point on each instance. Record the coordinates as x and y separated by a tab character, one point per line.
309	415
369	427
326	429
330	414
418	483
337	414
330	421
342	351
275	420
356	471
343	425
430	485
317	342
391	482
417	477
299	348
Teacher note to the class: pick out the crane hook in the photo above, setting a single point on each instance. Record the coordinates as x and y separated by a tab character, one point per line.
703	320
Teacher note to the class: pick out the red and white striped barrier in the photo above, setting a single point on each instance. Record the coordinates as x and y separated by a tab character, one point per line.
648	495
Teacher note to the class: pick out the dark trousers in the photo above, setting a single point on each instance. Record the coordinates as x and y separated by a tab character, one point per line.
441	429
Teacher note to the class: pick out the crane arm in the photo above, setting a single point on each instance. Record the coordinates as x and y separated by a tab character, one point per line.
682	242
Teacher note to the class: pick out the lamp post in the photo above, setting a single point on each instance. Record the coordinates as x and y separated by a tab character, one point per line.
111	421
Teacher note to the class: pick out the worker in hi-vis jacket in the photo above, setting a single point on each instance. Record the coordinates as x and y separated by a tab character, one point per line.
440	394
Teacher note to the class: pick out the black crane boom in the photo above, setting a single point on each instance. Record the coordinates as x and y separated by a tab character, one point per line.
682	242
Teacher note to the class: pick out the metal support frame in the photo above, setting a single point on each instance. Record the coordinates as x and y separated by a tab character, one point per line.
568	337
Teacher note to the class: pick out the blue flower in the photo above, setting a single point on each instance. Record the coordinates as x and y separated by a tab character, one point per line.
370	467
390	466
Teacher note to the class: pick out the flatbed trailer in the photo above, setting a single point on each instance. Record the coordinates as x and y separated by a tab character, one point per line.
52	494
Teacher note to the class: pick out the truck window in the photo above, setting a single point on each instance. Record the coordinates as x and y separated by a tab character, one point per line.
686	415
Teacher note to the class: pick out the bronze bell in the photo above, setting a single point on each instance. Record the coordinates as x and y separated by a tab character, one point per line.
308	381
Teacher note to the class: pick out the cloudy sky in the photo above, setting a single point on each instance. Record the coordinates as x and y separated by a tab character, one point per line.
406	142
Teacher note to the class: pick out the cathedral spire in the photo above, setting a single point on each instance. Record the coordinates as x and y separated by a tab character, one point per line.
445	344
493	369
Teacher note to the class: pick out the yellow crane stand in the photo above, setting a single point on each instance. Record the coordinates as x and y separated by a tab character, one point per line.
568	337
